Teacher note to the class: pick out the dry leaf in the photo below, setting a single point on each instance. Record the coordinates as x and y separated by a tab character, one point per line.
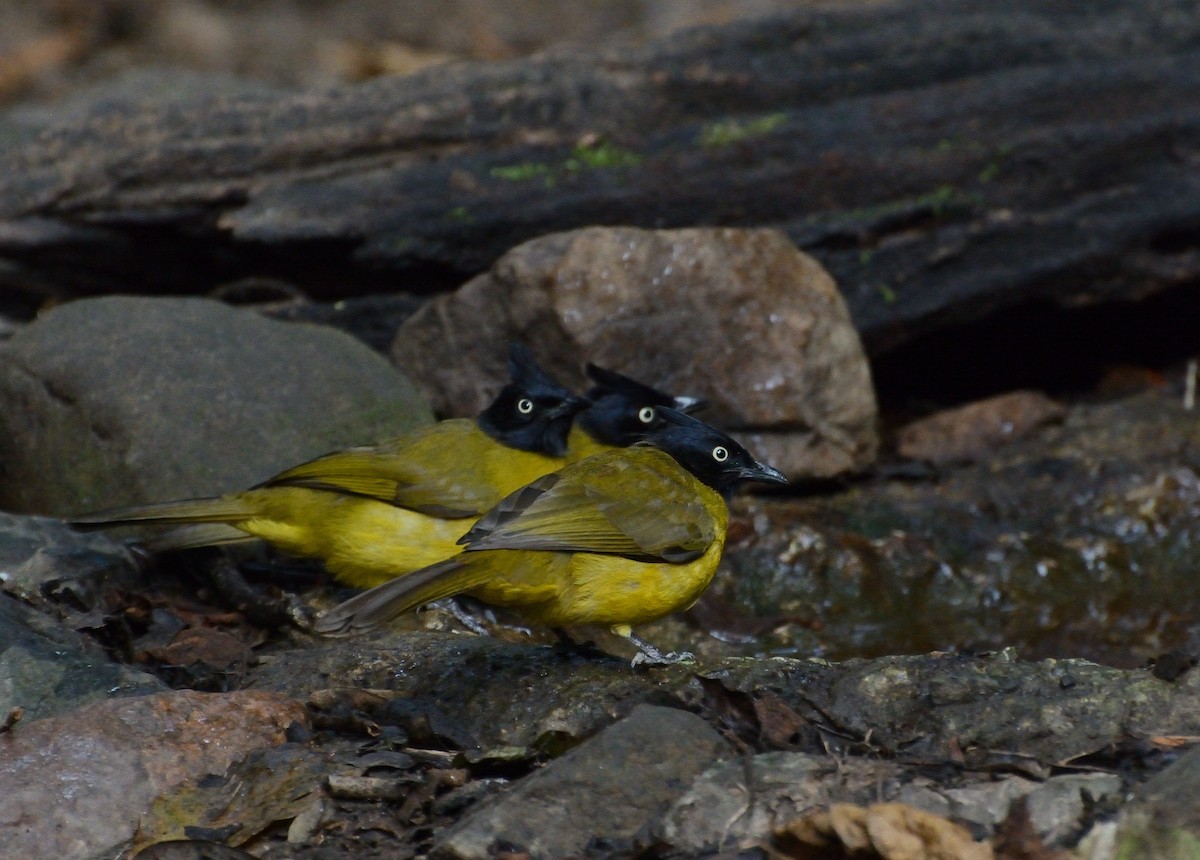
886	831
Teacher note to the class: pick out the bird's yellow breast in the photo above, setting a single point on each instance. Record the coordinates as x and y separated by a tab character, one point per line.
362	542
557	589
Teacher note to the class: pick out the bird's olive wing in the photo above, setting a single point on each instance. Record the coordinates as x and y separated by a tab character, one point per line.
615	503
422	472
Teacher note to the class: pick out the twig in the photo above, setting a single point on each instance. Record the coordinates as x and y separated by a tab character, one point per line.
1189	387
14	717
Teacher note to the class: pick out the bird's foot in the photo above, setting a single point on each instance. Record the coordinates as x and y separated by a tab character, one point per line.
649	655
662	658
463	616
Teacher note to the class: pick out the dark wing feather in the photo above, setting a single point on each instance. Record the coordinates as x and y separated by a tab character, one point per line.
384	602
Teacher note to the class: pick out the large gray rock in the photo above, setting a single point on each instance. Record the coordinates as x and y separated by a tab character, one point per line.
739	317
125	400
610	788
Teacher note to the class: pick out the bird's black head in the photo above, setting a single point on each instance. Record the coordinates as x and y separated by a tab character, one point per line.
533	412
712	456
623	410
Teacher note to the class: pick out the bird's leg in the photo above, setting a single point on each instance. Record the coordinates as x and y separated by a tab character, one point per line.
649	655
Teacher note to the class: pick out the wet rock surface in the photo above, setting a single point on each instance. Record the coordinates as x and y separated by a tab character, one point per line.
737	317
76	785
1078	539
48	662
126	400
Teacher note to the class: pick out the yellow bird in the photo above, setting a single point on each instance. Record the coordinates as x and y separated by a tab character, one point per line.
440	479
619	411
375	512
619	539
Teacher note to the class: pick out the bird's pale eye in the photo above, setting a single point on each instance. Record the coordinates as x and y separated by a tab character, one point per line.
646	414
720	453
524	405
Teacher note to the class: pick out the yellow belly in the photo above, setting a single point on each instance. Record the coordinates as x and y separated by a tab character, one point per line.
555	589
362	542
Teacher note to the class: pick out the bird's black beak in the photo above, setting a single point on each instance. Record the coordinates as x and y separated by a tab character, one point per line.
690	404
570	406
762	473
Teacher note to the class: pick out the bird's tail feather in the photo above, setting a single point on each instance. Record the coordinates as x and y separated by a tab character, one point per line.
197	535
384	602
211	510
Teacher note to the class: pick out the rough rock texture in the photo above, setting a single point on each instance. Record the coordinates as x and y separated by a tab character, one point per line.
1164	819
739	317
46	668
475	692
737	804
74	786
126	400
46	563
486	693
609	789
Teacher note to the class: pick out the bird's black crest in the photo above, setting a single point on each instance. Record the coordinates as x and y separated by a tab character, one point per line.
533	412
616	416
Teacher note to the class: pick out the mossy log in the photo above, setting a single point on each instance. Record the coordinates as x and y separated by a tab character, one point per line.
944	159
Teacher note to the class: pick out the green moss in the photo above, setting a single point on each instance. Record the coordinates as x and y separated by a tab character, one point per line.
1154	843
887	294
732	131
598	155
939	201
460	215
522	172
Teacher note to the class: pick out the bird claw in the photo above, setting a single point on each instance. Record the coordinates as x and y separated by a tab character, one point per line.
660	658
302	616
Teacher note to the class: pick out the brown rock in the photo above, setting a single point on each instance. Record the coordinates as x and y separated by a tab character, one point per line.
76	785
971	431
739	317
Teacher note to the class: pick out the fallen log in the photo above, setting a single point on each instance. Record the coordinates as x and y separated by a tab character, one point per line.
943	159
